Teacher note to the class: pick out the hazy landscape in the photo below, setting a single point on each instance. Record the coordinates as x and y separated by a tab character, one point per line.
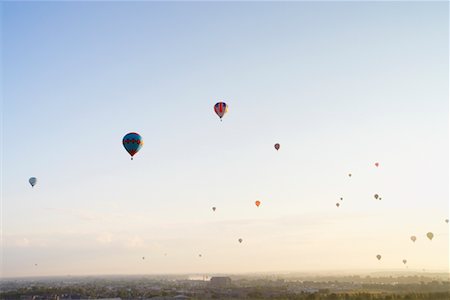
396	285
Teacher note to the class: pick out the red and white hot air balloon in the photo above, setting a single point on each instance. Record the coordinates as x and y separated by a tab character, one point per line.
221	108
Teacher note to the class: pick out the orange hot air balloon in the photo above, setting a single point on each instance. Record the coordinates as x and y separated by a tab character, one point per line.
258	203
277	146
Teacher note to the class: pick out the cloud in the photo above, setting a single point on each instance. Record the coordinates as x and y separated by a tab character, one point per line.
135	242
105	238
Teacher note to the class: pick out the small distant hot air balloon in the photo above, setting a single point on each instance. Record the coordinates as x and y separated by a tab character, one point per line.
32	181
132	142
199	255
240	240
342	199
35	265
277	146
376	196
349	174
378	256
257	203
405	261
337	204
446	220
214	208
430	235
143	257
377	164
221	108
413	238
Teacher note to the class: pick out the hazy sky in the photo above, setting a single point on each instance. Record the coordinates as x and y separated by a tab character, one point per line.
339	85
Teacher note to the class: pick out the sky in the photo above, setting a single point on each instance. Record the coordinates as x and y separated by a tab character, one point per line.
340	85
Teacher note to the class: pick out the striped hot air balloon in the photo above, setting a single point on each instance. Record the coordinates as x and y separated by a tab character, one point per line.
221	108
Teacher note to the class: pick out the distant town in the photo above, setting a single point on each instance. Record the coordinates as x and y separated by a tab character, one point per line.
288	286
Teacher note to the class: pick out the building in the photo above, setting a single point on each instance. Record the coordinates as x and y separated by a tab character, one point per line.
220	282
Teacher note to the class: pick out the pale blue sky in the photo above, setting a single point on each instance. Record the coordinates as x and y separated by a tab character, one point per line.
338	85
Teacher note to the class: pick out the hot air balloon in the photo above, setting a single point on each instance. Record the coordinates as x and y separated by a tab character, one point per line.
132	142
350	175
342	199
377	164
446	220
143	257
376	196
277	146
413	238
405	261
337	204
221	108
199	255
378	256
430	235
214	208
32	181
240	240
257	203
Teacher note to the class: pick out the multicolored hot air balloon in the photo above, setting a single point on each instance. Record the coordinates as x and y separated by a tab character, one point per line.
277	146
32	181
257	203
214	208
221	108
413	238
132	142
240	240
430	235
378	256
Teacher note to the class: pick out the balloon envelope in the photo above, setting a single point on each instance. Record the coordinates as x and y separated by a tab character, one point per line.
446	220
277	146
378	256
337	204
377	164
376	196
413	238
214	208
405	261
32	181
132	142
221	108
240	240
430	235
257	203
